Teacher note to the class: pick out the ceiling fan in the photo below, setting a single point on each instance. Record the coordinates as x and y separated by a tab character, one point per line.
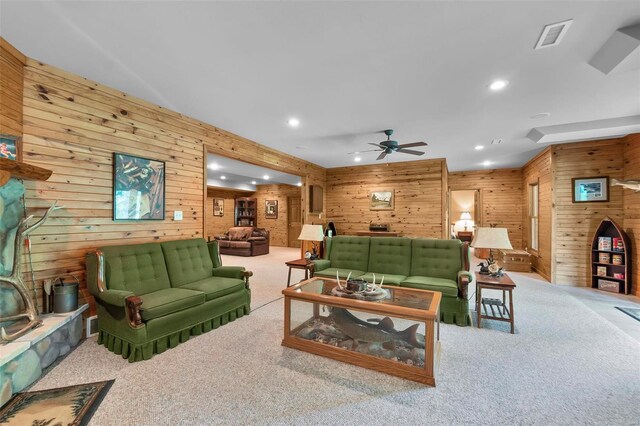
389	146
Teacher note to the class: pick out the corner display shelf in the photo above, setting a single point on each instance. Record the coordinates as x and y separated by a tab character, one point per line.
617	278
246	209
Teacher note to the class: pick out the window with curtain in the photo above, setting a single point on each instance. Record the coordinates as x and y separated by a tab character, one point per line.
533	215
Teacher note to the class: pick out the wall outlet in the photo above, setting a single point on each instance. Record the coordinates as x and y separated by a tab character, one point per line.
92	325
177	215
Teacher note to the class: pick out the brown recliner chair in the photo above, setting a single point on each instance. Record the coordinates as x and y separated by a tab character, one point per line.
244	241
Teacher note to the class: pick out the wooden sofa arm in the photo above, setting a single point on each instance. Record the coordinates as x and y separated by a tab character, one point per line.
463	286
246	275
133	304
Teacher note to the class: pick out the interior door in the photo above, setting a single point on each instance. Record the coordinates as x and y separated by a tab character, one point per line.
294	220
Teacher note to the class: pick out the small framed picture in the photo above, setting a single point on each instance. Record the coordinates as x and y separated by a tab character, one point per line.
271	209
218	206
10	147
602	271
590	189
381	200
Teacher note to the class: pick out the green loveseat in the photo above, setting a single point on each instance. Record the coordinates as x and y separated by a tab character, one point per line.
428	264
154	296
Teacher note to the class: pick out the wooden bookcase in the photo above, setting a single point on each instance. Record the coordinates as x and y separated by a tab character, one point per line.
246	211
609	229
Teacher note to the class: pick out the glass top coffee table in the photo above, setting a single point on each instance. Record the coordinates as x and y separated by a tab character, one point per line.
398	333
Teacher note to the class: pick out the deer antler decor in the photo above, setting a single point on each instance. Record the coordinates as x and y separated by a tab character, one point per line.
15	279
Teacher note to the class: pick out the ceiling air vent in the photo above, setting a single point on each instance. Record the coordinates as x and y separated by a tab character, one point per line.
552	34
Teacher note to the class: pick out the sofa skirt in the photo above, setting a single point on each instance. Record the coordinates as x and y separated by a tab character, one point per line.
144	351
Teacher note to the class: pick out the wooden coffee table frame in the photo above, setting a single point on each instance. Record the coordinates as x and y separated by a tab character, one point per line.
430	318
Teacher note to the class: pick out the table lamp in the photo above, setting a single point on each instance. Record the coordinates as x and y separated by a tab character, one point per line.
313	233
491	238
466	216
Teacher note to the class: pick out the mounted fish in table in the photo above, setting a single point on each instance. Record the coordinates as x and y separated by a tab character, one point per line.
383	332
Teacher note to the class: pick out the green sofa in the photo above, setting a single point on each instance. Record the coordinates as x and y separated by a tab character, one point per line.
154	296
428	264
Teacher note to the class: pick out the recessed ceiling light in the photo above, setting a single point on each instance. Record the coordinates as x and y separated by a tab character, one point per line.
541	115
265	177
479	147
293	122
213	166
223	177
299	183
486	163
253	182
357	159
498	85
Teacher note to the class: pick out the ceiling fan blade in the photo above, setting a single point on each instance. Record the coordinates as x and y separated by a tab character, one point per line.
410	151
375	144
409	145
382	155
366	150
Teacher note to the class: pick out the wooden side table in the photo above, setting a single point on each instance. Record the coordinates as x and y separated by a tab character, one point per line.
503	283
466	236
300	264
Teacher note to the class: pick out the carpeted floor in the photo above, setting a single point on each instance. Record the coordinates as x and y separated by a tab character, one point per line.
564	365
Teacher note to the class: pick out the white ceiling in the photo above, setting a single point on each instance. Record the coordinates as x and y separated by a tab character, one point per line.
239	175
347	69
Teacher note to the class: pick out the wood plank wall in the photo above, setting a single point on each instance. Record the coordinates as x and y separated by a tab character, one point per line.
632	205
538	170
500	198
278	228
418	197
575	224
220	224
72	125
11	83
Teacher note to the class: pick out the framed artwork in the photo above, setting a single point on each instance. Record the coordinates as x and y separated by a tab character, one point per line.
381	200
590	189
271	209
218	206
138	188
10	147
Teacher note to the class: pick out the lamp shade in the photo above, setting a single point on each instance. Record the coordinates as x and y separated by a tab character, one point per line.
465	216
492	238
311	233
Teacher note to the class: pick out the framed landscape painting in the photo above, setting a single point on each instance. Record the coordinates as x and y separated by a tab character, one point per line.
271	209
218	206
138	188
381	200
10	147
591	189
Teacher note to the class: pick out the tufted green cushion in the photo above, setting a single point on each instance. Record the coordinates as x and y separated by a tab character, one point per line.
350	253
215	287
443	285
436	258
164	302
138	268
343	273
388	278
187	261
390	256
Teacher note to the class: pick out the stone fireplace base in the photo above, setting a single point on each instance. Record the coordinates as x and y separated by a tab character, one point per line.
22	361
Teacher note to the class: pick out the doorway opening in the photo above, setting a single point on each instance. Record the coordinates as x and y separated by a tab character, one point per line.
465	215
244	194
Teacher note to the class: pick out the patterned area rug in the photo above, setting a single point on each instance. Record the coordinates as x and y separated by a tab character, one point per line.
71	405
632	312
